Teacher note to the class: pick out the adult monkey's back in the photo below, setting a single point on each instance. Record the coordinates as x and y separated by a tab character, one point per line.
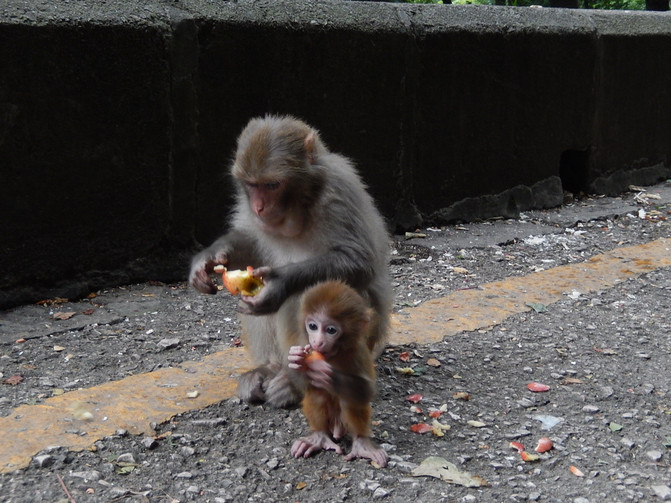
302	216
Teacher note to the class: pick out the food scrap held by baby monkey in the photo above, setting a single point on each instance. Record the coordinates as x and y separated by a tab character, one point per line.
339	381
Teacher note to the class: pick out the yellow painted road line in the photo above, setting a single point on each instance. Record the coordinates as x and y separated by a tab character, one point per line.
132	404
490	304
136	401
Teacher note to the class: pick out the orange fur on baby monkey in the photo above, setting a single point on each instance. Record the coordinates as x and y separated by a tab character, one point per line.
338	388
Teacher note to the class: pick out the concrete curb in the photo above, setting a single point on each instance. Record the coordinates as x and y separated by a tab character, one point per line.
118	119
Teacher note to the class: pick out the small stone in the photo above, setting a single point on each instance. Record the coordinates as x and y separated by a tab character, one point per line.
580	499
662	492
647	388
627	443
118	492
526	403
126	457
184	475
370	485
45	381
273	463
91	475
590	409
241	471
169	343
187	451
149	442
406	466
193	489
521	433
380	493
44	461
218	421
535	496
606	392
654	455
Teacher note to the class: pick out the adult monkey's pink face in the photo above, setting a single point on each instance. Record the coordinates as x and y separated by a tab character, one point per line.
276	173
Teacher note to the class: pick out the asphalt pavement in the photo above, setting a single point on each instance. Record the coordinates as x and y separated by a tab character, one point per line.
129	394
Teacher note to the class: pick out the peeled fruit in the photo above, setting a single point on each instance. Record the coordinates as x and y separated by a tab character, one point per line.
239	281
313	356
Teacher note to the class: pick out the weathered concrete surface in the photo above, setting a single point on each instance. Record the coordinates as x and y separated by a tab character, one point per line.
631	129
85	149
118	119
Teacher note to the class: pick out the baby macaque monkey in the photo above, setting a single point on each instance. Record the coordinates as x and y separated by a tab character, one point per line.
335	367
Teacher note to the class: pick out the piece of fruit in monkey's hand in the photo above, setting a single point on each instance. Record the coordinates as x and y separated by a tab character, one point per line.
240	281
313	356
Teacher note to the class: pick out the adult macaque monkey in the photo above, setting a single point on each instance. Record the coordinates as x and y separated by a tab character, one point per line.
335	367
302	216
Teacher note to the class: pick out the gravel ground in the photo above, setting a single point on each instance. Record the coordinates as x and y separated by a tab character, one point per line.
606	357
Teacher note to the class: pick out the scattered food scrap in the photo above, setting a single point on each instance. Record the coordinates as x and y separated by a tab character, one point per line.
537	387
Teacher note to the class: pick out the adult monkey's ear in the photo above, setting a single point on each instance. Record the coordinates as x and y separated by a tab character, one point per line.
310	146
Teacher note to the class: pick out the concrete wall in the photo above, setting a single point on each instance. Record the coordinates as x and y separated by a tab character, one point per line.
117	121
